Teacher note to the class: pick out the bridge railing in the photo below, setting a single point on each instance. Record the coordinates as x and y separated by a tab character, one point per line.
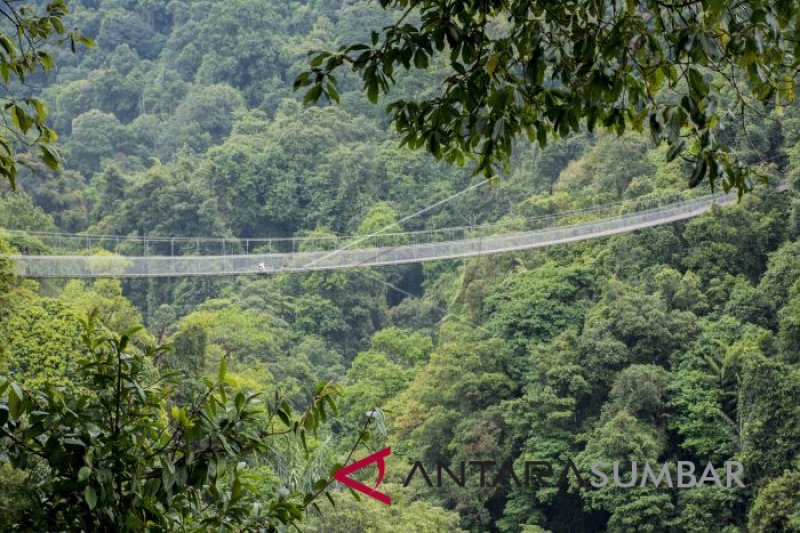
157	246
404	248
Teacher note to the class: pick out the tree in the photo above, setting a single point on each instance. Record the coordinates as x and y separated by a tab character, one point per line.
96	136
25	51
546	420
122	459
783	272
598	176
380	219
105	297
463	377
732	241
6	268
203	118
39	337
537	305
789	329
449	413
625	439
405	347
188	357
245	334
641	321
372	380
681	292
640	390
777	505
124	27
698	416
750	304
369	516
18	211
547	68
708	508
771	426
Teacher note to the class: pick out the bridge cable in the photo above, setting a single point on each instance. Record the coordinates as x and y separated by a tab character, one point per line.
404	219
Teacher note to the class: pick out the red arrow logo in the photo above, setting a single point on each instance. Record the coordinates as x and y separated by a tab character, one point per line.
342	474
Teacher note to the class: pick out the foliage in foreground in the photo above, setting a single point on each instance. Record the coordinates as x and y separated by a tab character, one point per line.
550	69
122	457
24	51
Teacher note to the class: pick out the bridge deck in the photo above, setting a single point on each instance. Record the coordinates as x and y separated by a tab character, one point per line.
117	266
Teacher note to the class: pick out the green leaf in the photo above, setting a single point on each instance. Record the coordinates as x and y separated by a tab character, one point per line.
313	94
83	473
132	331
698	174
15	397
541	135
333	94
20	119
309	422
330	499
46	60
41	109
491	65
8	45
420	59
88	42
236	491
90	496
318	59
57	24
222	370
372	92
675	149
499	129
697	83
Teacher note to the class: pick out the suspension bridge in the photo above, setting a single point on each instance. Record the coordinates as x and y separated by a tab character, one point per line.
108	256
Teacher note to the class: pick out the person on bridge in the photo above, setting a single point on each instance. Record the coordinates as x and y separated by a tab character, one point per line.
262	268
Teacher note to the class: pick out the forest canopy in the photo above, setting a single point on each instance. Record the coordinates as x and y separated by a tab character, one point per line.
551	69
228	402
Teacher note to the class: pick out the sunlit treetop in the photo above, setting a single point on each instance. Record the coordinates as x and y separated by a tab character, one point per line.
547	69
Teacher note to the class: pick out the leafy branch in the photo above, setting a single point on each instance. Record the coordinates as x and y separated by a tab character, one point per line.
123	458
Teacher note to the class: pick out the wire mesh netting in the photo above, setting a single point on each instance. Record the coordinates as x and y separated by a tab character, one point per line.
122	256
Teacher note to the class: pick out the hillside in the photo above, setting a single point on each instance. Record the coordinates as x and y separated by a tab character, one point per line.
675	343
